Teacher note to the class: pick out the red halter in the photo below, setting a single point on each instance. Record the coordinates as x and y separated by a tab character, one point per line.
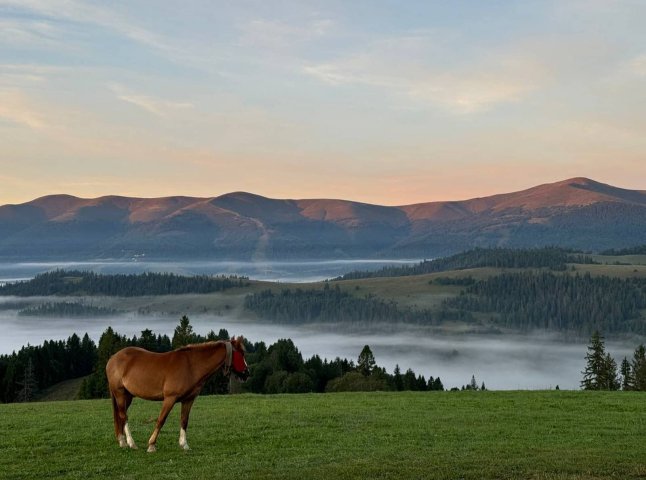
234	360
239	364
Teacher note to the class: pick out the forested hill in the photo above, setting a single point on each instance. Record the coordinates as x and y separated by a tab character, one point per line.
548	257
74	282
637	250
334	305
579	304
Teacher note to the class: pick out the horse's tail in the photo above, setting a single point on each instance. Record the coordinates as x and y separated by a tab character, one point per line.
115	412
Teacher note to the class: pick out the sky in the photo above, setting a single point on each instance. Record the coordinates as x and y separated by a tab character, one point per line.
377	101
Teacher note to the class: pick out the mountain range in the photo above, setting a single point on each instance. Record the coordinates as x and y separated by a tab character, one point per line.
578	213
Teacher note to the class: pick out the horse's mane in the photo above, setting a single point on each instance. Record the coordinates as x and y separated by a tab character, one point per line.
238	343
198	346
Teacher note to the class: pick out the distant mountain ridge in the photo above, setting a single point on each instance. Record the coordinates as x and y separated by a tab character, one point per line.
579	213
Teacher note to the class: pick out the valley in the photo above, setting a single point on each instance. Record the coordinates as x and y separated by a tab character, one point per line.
409	320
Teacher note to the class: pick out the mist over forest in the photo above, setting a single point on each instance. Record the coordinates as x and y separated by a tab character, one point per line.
423	315
505	362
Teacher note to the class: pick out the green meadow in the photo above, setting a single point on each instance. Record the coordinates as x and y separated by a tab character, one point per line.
443	435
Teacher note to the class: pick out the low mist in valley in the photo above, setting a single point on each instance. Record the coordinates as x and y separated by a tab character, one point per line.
275	271
506	362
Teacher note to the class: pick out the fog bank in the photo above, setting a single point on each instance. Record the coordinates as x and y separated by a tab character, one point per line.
502	362
275	271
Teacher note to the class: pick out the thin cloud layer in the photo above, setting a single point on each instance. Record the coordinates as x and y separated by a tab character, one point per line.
156	106
373	102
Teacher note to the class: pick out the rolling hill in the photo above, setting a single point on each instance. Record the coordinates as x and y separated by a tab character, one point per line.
578	213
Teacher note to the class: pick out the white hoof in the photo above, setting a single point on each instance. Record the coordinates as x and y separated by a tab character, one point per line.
182	439
122	441
151	448
129	440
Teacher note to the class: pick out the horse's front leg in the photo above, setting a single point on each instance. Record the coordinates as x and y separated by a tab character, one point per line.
186	410
167	406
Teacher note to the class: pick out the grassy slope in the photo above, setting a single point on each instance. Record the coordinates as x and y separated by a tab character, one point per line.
470	435
66	390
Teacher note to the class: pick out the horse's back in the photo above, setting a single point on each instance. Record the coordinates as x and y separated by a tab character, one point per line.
137	370
125	356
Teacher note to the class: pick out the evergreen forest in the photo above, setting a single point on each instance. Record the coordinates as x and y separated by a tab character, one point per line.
568	303
74	282
552	258
67	309
329	304
277	368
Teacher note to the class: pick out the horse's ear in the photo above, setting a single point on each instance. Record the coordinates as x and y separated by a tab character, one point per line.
238	342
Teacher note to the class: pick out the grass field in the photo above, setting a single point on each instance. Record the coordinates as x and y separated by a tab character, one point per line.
444	435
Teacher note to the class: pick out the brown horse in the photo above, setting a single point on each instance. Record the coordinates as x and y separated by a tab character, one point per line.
171	377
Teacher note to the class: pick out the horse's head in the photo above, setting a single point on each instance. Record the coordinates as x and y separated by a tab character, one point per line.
238	362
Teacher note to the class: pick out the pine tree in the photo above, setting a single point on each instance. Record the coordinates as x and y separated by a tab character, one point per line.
398	381
409	381
609	379
627	381
28	385
473	385
437	385
595	363
366	362
147	340
96	385
183	333
639	368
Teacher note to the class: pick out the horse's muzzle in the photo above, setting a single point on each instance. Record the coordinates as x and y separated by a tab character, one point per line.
242	376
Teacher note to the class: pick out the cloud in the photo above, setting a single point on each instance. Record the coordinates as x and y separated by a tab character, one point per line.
83	13
265	33
154	105
414	66
638	65
16	109
33	33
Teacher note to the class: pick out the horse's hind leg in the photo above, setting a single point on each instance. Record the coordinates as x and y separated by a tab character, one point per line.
126	428
122	400
167	406
118	424
186	410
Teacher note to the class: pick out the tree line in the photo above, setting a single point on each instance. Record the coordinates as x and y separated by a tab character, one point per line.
637	250
67	309
75	282
458	281
553	258
277	368
34	368
329	304
280	368
544	300
601	371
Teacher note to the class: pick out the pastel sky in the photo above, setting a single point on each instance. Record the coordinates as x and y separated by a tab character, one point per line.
386	102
